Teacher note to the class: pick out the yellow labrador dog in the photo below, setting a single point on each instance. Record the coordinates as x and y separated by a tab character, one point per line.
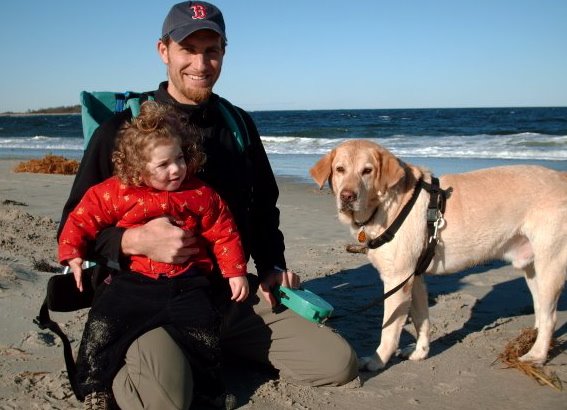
514	213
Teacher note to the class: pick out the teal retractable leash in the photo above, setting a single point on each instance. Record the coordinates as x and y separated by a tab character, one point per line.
305	303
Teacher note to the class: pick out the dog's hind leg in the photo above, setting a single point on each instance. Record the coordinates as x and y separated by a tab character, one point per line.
529	273
549	282
419	313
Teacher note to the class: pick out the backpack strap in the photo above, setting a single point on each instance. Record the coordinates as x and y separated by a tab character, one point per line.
236	123
135	100
44	321
63	296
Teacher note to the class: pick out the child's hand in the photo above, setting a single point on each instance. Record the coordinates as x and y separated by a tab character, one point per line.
76	265
239	287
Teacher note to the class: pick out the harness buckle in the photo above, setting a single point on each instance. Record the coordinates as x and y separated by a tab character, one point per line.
432	215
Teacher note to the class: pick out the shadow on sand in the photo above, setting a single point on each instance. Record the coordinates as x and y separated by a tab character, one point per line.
351	289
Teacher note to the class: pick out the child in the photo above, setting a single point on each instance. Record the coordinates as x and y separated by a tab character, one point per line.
153	178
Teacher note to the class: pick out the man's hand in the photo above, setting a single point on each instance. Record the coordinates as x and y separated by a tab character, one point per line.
161	240
285	278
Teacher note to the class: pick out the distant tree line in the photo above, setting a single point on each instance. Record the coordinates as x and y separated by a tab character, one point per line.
69	109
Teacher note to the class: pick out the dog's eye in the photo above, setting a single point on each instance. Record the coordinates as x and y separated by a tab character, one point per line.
366	171
340	170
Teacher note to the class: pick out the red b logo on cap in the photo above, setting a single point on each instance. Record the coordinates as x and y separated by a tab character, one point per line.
199	12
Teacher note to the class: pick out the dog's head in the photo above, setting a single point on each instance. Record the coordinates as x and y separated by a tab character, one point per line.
358	172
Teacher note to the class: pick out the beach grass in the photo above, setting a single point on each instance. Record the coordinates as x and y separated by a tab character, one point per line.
519	346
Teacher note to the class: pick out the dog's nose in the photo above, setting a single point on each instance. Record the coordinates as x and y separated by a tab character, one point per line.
348	196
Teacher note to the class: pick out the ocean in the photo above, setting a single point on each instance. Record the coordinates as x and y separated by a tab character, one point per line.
444	140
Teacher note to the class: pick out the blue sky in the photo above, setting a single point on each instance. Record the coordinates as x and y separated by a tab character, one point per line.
318	54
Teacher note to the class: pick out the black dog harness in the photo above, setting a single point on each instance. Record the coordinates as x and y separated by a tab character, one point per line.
435	210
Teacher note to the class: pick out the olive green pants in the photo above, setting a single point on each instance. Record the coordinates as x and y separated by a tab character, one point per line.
156	374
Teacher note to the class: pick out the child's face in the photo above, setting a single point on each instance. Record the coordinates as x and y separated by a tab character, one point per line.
166	168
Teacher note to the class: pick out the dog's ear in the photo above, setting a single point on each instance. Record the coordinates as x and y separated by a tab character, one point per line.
322	170
391	171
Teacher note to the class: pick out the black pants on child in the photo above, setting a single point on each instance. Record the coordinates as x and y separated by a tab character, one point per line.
133	304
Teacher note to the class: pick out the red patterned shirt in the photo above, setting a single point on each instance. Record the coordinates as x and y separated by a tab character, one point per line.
194	206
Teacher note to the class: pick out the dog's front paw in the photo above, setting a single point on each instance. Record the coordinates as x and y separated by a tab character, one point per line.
370	363
412	352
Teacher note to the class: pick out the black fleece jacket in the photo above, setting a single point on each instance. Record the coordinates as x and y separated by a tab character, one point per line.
244	180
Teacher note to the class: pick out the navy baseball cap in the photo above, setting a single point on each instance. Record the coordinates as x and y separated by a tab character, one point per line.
190	16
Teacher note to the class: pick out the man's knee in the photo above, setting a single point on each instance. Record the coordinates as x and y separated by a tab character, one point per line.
347	369
339	370
157	375
312	355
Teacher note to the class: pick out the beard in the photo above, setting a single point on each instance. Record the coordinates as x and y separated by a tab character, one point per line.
198	95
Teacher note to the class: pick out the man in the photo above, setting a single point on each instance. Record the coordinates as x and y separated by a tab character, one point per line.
157	374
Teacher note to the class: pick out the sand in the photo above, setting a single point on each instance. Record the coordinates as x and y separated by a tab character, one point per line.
474	314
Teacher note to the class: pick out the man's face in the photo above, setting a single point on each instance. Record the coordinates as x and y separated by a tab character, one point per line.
193	66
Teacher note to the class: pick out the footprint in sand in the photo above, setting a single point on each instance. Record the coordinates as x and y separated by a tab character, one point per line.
446	389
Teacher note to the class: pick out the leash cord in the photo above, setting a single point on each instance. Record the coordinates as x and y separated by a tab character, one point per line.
375	302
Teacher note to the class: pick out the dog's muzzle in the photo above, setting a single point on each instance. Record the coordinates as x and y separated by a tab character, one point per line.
347	198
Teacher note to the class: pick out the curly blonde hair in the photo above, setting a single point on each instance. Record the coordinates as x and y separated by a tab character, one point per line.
157	124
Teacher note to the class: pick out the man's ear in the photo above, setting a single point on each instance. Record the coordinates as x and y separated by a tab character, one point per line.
322	170
163	51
